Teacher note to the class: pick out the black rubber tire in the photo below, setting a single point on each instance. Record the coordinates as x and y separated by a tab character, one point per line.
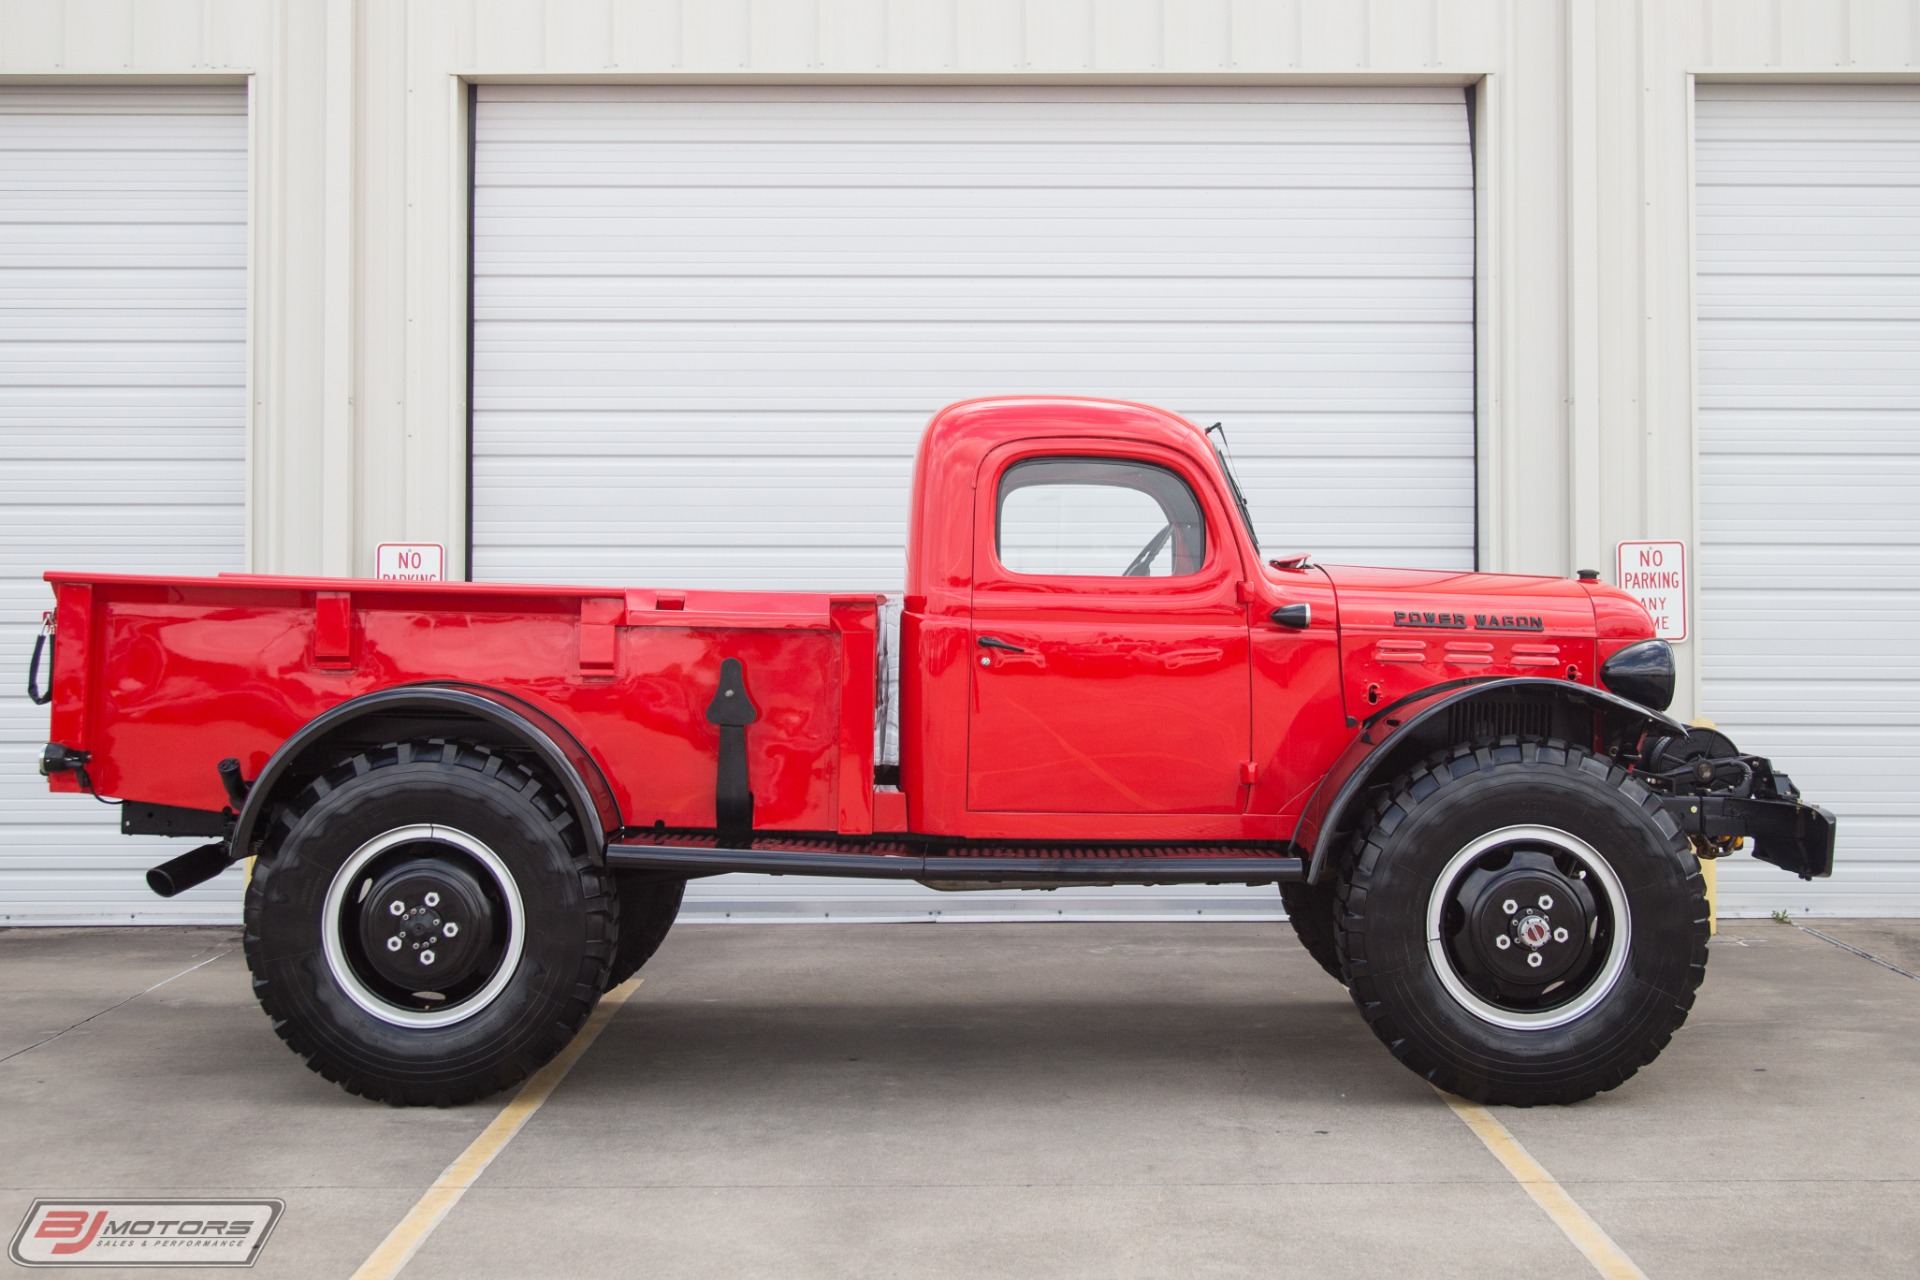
570	937
1310	910
1436	810
648	907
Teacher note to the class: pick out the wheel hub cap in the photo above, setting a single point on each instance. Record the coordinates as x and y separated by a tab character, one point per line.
1528	923
1528	927
424	924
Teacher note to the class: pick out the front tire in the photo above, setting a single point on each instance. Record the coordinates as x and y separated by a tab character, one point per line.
427	928
1521	923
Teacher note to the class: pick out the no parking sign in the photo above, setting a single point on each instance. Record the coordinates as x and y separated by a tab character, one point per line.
410	562
1655	574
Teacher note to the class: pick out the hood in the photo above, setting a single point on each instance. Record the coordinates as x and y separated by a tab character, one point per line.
1438	600
1403	630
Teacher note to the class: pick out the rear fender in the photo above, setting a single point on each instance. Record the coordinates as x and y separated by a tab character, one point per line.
502	716
1397	736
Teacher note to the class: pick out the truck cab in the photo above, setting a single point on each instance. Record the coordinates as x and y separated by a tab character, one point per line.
1079	648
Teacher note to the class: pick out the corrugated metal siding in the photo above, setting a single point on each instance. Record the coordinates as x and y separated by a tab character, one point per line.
1808	221
123	253
710	323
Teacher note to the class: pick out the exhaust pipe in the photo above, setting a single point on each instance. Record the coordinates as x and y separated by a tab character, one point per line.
189	869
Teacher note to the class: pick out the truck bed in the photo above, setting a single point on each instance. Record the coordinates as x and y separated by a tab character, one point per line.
158	679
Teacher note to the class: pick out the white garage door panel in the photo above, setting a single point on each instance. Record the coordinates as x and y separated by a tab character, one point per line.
1808	216
122	424
682	299
709	326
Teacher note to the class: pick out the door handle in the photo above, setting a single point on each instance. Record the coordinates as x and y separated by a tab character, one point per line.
992	642
1296	616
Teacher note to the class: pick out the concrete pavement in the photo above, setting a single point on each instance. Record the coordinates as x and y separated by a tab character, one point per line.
991	1100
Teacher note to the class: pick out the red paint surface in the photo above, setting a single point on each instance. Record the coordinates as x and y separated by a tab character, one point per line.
1481	625
1144	708
1061	727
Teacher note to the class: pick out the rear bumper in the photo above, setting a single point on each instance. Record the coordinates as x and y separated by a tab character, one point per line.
1793	836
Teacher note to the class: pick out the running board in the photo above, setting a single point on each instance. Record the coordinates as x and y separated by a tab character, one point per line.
1195	868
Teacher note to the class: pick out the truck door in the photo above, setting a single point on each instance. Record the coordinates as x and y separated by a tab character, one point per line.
1110	648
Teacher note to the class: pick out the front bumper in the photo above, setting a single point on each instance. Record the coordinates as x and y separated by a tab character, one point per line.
1793	836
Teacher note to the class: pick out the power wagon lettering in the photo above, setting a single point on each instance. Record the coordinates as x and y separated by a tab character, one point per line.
1481	621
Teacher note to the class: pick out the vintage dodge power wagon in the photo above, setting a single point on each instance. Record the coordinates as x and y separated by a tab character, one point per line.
472	807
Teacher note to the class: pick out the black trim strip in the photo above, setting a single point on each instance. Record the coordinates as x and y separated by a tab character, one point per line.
1473	92
778	862
782	862
473	152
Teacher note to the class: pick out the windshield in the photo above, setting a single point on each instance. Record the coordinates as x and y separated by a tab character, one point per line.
1233	481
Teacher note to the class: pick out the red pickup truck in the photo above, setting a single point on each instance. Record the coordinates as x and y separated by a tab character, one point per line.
474	807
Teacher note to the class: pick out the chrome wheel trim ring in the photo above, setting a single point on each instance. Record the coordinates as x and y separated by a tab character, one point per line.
342	969
1603	878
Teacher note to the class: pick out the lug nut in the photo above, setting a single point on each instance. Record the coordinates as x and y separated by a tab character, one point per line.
433	900
1559	935
393	943
1509	906
449	929
426	957
1546	902
1502	941
1533	959
397	907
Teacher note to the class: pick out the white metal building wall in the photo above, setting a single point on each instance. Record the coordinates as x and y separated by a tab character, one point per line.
710	323
123	295
1808	259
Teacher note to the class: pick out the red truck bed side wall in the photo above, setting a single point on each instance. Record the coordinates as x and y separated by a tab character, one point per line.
161	679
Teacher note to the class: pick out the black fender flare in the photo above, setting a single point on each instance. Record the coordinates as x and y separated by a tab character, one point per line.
1409	732
579	776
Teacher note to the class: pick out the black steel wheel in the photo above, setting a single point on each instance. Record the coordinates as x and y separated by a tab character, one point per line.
1310	910
1520	922
425	926
649	904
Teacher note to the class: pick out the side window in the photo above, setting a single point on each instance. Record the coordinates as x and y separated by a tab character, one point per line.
1098	518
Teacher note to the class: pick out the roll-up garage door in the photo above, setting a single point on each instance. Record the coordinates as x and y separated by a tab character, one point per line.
1808	225
123	255
710	323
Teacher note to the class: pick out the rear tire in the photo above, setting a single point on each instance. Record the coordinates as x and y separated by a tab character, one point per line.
1310	910
648	907
1522	923
427	928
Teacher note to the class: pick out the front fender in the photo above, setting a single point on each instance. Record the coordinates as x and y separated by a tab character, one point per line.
1393	738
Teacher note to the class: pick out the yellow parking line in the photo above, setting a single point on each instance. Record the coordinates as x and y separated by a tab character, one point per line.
405	1240
1606	1256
